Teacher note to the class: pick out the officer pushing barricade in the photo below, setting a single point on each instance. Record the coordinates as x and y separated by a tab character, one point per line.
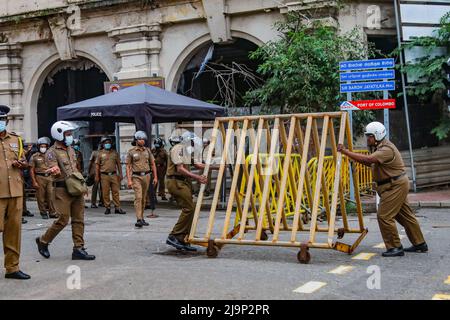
179	183
70	189
109	174
42	180
392	185
140	163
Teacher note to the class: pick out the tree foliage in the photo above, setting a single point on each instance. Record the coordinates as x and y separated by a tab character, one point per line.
301	68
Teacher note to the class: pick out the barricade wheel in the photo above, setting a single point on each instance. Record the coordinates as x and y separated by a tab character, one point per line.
264	236
212	251
303	256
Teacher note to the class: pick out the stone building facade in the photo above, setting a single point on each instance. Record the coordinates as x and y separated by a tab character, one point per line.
138	39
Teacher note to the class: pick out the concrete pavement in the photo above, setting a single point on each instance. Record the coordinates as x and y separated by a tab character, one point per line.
137	264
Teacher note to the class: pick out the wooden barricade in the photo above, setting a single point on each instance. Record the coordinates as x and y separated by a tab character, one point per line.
299	137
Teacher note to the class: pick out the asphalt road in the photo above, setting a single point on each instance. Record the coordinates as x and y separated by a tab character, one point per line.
137	264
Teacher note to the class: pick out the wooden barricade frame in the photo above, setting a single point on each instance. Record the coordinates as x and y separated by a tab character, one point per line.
293	134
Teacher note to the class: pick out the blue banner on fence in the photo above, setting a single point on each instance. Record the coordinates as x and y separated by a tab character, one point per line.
366	64
368	75
368	86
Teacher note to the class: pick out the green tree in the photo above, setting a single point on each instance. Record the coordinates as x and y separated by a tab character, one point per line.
427	70
301	69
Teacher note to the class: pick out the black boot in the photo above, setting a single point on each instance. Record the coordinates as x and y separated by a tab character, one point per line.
24	221
144	223
138	224
81	254
42	248
94	206
19	275
423	247
108	211
27	213
174	242
394	252
119	211
44	215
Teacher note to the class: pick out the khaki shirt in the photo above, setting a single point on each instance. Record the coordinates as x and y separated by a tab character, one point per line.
107	160
67	158
93	160
140	159
11	181
37	162
178	155
80	161
390	161
160	157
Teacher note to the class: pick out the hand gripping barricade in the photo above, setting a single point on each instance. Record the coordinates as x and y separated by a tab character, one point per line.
299	138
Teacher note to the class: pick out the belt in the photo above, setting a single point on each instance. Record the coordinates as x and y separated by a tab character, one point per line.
59	184
177	178
392	179
43	174
109	173
142	173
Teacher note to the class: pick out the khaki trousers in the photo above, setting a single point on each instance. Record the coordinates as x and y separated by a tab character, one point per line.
182	192
110	184
393	207
69	208
140	186
11	227
161	171
44	194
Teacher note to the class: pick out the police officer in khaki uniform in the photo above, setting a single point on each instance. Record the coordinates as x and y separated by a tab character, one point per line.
179	184
42	180
139	162
12	161
96	188
109	173
61	160
392	186
160	155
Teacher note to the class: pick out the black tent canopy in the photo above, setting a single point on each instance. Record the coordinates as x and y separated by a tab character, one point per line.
143	105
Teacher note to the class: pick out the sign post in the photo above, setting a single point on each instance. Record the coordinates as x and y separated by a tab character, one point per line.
367	76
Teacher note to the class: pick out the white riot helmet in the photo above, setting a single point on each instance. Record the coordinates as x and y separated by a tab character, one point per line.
377	129
43	140
58	129
140	135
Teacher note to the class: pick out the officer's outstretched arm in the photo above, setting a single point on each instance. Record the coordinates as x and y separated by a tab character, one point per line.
366	160
183	171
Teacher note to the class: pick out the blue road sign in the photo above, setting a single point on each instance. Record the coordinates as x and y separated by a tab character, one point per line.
367	75
366	64
368	86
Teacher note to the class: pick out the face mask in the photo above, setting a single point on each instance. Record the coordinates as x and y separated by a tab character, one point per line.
2	126
157	146
107	146
68	141
77	148
43	150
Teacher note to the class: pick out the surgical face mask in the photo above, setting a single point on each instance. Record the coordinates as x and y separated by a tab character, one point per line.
43	150
68	141
2	125
107	146
77	148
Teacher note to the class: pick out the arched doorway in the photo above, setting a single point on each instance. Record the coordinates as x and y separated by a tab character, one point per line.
70	82
221	73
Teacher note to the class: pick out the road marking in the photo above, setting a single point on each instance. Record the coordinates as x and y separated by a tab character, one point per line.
447	281
310	287
364	256
380	246
341	270
441	296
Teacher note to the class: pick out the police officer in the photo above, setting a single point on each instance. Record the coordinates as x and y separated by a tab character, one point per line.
12	161
61	160
179	185
160	155
139	163
28	150
96	188
78	155
42	180
109	173
392	186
